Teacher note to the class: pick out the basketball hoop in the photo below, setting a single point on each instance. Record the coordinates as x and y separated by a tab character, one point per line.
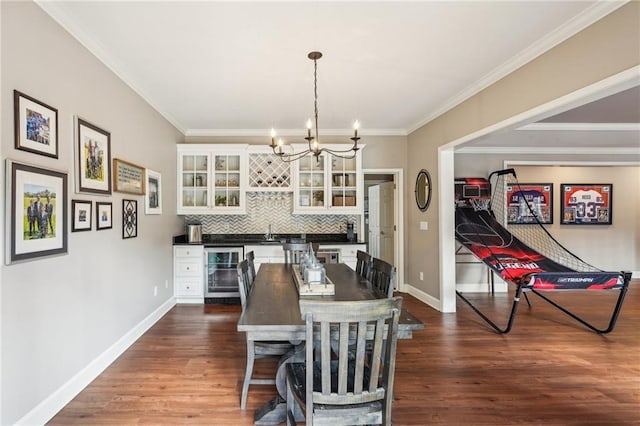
480	203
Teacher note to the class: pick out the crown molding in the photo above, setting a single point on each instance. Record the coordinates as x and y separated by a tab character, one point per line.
547	150
52	9
560	34
587	127
266	133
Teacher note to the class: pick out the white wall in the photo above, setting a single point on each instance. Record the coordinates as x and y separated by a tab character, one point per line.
60	314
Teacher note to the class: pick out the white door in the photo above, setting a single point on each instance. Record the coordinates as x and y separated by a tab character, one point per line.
386	222
374	221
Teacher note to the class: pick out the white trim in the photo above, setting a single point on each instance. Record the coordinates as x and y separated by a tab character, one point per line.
446	226
618	82
48	408
569	29
300	133
422	296
508	163
582	127
491	150
399	219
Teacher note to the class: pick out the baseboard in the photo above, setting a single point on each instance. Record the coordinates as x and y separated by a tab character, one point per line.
423	297
48	408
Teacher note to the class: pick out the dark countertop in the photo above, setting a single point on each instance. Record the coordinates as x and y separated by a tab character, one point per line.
236	240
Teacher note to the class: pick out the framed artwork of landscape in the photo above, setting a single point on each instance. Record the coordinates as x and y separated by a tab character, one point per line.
37	213
36	125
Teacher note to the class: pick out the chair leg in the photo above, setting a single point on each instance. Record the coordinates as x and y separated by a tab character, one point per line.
251	355
290	405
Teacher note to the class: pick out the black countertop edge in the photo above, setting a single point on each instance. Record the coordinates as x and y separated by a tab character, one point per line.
235	240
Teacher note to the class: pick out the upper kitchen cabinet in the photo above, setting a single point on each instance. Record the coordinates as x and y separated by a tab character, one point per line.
328	184
267	172
211	179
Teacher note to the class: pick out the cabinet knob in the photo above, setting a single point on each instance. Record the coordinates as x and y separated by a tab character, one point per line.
188	268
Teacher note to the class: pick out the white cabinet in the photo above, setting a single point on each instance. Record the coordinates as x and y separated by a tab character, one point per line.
328	184
188	274
348	252
270	253
211	179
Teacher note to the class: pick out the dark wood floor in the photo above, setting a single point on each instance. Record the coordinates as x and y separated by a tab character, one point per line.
549	370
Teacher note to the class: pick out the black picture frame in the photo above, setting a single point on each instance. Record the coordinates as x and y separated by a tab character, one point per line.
35	125
81	215
538	196
586	203
129	219
93	159
423	190
104	215
37	212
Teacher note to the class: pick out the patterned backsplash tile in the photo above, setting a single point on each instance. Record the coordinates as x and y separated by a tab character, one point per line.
272	208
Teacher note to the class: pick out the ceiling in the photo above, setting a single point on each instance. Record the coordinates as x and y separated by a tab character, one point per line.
227	68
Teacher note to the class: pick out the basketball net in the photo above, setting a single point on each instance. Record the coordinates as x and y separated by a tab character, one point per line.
480	203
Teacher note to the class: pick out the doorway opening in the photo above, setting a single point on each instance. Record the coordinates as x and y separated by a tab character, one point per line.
386	243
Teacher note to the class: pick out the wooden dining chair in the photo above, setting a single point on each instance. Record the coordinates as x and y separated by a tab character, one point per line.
363	264
293	252
345	387
250	256
382	278
255	349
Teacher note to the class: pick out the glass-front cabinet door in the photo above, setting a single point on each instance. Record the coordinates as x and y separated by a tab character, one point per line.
211	179
193	181
311	194
344	182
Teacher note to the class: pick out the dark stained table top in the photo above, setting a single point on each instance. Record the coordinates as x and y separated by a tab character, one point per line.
273	311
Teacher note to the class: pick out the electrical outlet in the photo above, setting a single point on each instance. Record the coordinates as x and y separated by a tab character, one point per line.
155	290
421	276
424	226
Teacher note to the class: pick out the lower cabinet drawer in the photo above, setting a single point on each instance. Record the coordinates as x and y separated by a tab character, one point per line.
189	268
189	288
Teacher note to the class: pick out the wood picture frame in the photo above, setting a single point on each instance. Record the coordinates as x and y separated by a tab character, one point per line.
37	212
529	203
81	215
128	178
93	154
35	125
586	203
153	193
104	215
129	219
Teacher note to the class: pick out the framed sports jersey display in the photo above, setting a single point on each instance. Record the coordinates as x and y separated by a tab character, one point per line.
529	203
586	204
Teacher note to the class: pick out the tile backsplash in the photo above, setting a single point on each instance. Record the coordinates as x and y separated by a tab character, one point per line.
272	208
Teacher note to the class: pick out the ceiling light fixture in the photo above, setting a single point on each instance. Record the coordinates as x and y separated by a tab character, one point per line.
313	141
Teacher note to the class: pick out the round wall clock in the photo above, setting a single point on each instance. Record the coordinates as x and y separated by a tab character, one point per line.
423	190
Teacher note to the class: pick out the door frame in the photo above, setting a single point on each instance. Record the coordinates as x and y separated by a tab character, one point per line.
398	239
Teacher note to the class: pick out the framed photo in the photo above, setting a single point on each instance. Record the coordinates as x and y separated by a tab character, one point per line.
36	125
94	159
586	204
104	214
529	201
128	177
129	219
37	213
81	219
153	196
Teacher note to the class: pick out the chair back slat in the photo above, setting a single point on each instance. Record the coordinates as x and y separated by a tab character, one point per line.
245	282
293	252
359	375
363	264
250	256
382	278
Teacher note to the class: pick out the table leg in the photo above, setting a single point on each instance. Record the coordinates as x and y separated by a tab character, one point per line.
275	411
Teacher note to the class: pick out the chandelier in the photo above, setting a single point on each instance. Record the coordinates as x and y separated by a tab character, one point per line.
313	145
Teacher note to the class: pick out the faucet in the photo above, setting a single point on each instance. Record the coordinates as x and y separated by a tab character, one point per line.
269	236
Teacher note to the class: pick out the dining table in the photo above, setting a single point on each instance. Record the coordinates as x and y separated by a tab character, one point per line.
272	312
